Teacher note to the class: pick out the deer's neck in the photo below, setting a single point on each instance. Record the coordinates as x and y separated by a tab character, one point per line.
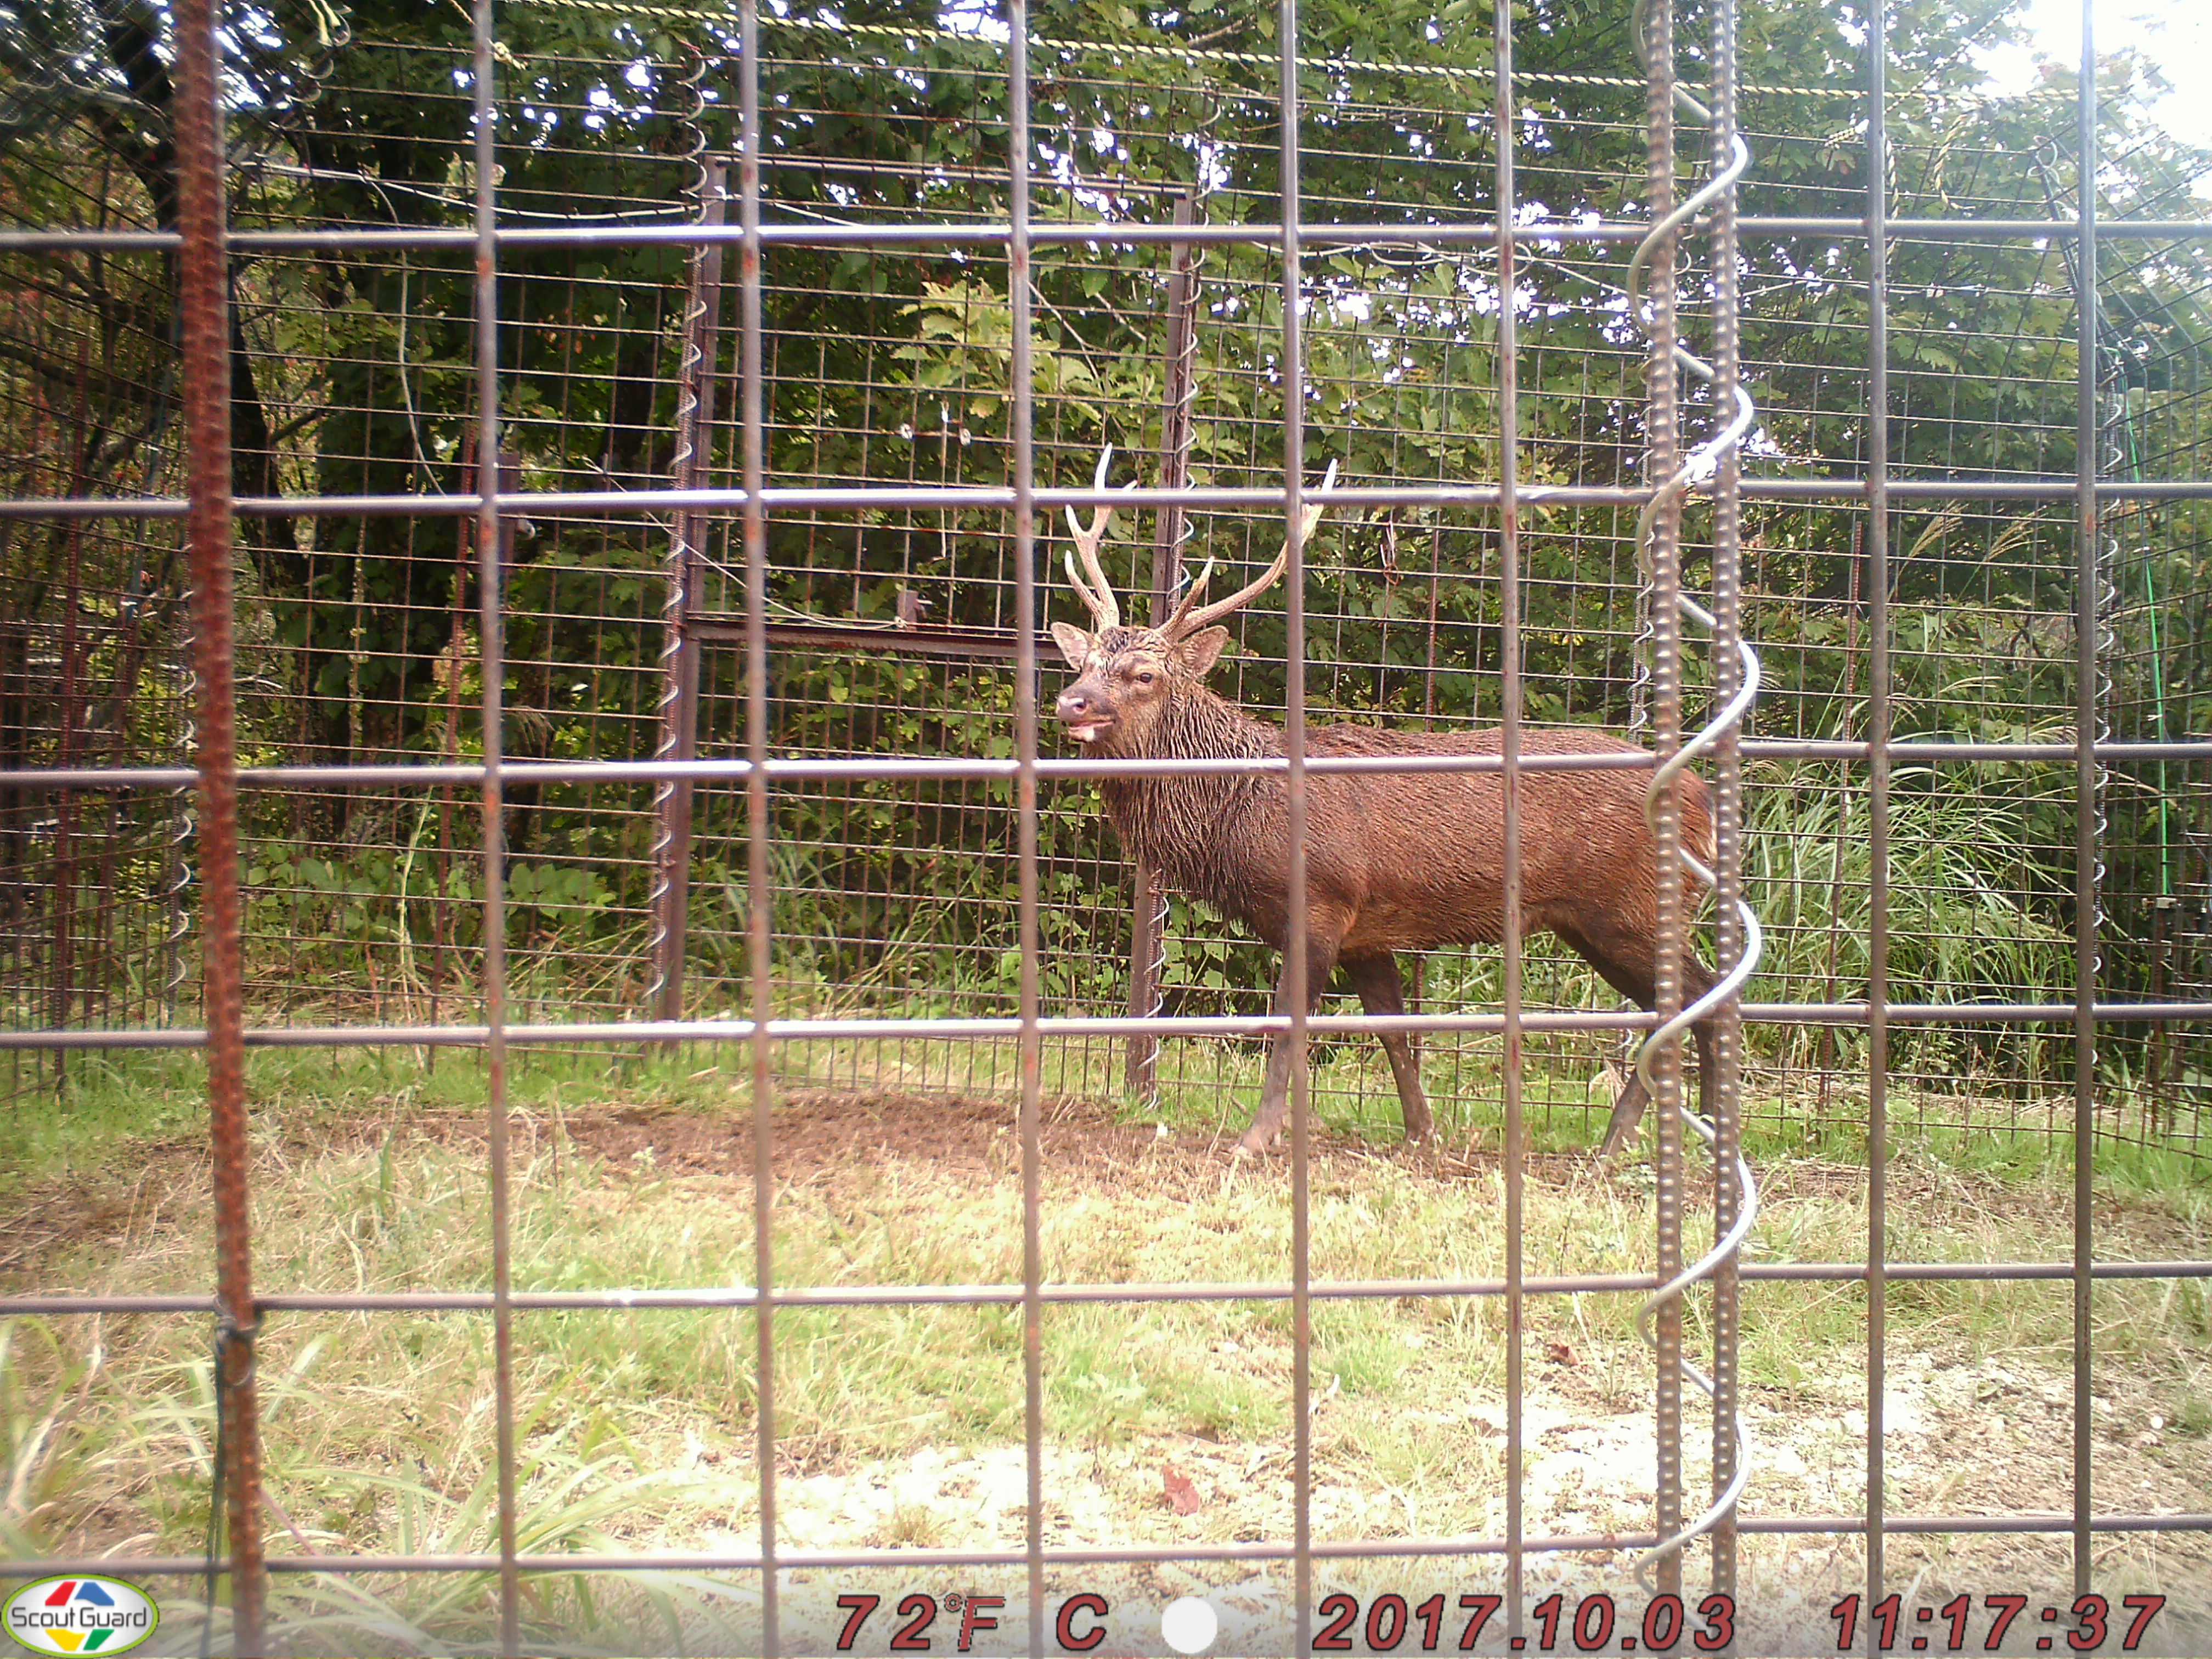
1190	829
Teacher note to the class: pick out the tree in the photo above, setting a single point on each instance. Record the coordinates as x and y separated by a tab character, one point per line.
356	367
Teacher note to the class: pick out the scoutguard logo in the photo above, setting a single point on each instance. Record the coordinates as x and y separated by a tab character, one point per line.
81	1615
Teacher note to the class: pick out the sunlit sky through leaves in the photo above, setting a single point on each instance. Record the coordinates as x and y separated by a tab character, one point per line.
2174	37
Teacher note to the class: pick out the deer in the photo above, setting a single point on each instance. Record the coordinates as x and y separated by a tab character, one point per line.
1395	861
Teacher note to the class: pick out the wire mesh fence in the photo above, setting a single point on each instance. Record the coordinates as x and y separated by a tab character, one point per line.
563	263
892	629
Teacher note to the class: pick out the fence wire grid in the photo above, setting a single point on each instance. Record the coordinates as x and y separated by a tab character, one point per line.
536	536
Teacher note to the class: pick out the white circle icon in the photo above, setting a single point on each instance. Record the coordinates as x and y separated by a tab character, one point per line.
1188	1624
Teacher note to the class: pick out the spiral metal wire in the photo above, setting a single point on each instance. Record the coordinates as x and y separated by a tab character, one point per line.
1696	469
688	467
2112	464
2112	461
183	830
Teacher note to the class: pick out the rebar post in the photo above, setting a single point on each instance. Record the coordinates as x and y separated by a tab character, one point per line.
1662	447
202	304
1727	1050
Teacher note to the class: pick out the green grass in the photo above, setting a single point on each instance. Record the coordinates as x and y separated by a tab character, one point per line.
637	1425
115	1102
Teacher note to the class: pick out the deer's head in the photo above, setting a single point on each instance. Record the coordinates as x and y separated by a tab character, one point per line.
1126	677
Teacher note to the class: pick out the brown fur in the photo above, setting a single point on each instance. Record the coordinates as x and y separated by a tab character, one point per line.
1406	861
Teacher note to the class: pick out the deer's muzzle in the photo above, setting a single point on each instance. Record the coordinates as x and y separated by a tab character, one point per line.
1086	714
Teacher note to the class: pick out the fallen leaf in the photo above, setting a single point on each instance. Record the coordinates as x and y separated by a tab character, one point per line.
1180	1491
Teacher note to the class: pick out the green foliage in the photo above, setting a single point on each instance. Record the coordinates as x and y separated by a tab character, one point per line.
1970	909
359	376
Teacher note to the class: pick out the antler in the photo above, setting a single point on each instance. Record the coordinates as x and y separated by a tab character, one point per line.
1098	593
1187	621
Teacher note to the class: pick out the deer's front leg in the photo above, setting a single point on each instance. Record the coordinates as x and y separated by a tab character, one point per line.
1282	1053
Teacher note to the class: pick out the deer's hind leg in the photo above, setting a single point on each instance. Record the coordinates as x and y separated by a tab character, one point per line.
1382	992
1626	963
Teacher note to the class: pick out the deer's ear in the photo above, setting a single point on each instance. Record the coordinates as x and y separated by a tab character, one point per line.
1202	650
1074	644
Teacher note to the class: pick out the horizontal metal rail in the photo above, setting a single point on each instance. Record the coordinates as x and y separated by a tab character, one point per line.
151	1566
985	644
1080	233
834	768
738	1297
456	246
989	1028
860	498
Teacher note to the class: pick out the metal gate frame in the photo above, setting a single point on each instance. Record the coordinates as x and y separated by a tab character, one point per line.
208	510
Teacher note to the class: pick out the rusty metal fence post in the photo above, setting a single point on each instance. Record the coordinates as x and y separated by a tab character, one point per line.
1662	447
486	508
1728	942
203	277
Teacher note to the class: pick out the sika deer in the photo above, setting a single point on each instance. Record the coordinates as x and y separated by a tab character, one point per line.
1405	861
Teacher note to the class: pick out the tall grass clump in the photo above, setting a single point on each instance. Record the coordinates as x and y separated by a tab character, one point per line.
1975	914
